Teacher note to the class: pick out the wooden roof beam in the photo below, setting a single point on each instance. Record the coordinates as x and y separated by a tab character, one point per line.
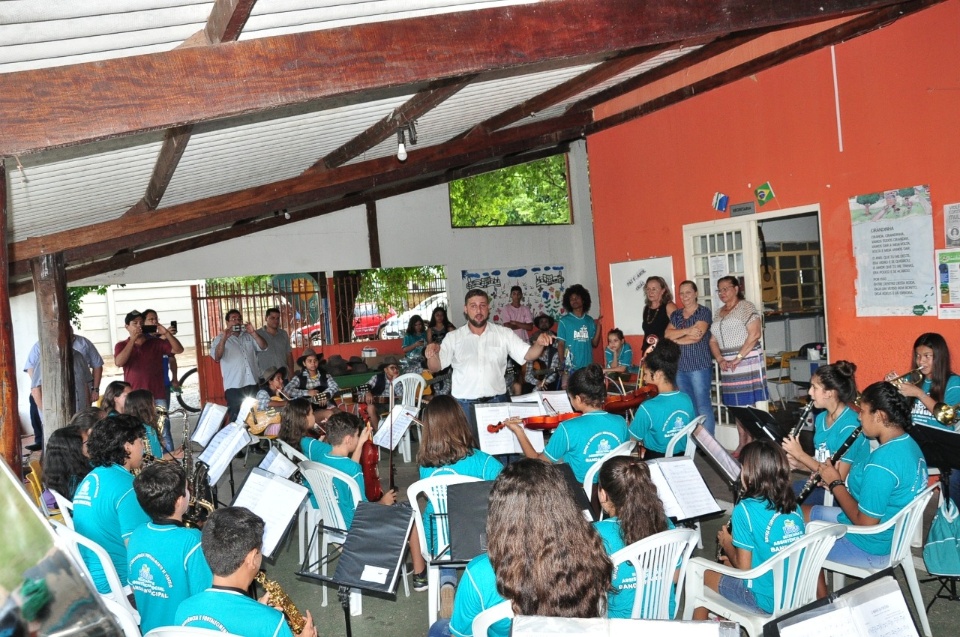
224	24
414	108
81	103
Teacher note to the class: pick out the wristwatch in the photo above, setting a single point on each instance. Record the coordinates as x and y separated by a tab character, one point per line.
833	485
739	356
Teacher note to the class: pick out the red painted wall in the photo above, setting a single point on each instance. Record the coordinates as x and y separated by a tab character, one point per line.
900	106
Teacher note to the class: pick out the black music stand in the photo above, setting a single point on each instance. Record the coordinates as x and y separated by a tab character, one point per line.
467	505
941	448
759	423
371	557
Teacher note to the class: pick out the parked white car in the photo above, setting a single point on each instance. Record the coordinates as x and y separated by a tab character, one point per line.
396	327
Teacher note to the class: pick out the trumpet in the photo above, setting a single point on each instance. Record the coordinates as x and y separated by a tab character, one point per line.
946	414
913	377
278	597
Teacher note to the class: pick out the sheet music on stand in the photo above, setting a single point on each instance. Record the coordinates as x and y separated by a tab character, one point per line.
209	423
222	449
720	458
373	552
529	626
278	464
532	397
873	607
681	488
505	441
554	402
274	499
399	420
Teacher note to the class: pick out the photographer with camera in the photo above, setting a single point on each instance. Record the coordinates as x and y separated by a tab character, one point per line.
141	355
236	350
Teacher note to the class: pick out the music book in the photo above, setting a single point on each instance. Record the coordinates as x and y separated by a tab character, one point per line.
873	607
278	464
373	551
681	488
399	420
209	423
245	408
532	397
530	626
222	449
505	441
720	458
467	506
274	499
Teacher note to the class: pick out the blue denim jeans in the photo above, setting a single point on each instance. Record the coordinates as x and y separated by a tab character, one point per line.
696	384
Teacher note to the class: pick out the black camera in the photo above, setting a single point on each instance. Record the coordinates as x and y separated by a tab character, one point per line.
237	328
149	329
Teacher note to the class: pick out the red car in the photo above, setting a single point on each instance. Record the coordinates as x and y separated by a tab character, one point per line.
367	320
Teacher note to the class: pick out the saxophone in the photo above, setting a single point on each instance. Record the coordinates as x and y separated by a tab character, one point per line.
278	597
201	496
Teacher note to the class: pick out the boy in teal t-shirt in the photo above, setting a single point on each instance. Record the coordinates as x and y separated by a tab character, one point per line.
577	331
166	562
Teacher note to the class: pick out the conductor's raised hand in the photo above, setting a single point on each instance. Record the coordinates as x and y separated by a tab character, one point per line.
545	339
432	350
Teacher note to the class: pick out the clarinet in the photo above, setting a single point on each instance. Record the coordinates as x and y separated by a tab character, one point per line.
736	498
815	476
802	420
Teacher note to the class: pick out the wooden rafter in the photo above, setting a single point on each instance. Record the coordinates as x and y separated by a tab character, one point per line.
564	91
86	102
224	24
107	237
127	258
850	29
412	109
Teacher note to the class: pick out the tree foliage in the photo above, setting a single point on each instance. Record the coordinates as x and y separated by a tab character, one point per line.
534	193
390	287
74	300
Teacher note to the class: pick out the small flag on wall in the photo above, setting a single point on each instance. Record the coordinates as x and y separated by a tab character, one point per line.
720	202
764	193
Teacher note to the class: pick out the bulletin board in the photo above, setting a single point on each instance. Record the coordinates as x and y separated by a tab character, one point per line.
542	287
627	280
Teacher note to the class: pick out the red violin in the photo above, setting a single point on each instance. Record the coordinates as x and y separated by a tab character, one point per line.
542	423
619	403
369	459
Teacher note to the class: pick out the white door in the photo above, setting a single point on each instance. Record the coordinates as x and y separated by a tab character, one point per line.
715	249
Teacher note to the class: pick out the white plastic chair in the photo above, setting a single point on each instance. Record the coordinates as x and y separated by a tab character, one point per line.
684	434
129	624
413	386
903	524
72	541
795	571
333	528
489	617
186	631
308	517
623	449
66	508
656	559
434	489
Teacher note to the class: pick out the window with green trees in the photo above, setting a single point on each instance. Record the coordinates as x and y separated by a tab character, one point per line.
534	193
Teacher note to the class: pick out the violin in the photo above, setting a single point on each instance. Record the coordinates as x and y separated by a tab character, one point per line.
369	459
543	423
618	403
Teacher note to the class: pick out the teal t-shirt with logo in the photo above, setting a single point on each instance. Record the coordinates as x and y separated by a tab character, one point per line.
580	442
660	418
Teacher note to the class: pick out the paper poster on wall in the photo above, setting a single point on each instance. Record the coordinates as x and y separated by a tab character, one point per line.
893	247
948	273
542	287
627	281
951	224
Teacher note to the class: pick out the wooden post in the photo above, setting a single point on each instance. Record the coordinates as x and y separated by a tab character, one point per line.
373	232
9	408
56	348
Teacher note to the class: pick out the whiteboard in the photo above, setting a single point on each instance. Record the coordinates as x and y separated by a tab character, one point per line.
627	280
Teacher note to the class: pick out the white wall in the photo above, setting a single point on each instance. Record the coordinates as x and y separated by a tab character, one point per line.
23	310
414	229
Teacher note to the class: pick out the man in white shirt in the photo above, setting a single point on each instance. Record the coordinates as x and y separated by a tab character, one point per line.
236	350
477	354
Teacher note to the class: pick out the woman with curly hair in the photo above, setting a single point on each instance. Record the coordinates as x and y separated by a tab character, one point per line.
543	556
630	498
105	507
577	331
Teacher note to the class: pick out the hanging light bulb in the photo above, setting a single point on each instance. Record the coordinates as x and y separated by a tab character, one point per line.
401	149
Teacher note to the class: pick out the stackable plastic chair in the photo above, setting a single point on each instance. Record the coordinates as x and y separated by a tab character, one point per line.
656	559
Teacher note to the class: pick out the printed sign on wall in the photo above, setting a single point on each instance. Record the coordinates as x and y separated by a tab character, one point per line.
542	287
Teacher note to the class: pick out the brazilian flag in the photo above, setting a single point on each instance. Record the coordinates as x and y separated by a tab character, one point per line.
764	193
